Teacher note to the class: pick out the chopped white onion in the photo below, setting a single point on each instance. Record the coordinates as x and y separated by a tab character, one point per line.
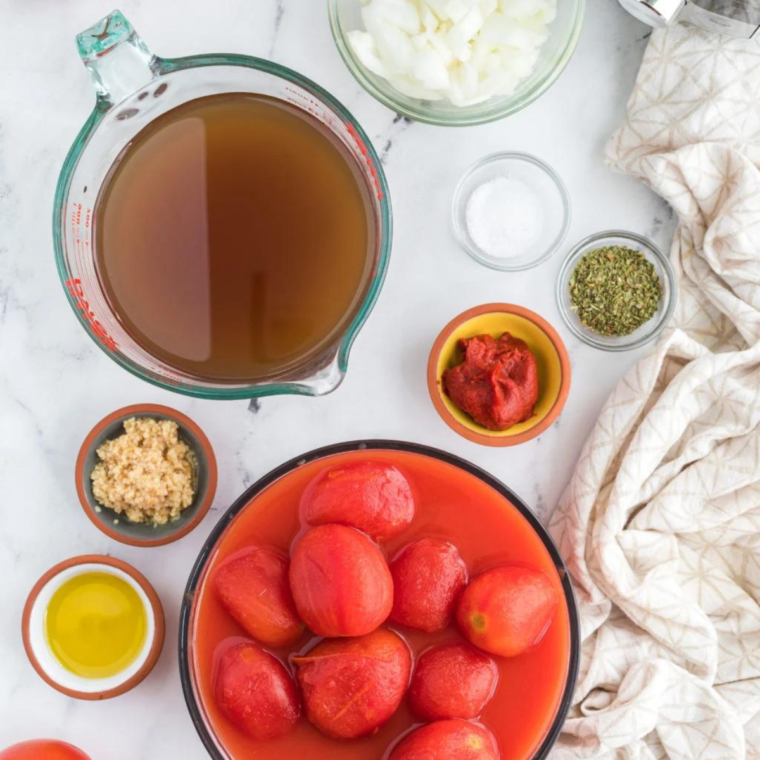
466	51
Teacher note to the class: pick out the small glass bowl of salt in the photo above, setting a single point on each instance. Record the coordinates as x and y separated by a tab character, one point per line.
511	211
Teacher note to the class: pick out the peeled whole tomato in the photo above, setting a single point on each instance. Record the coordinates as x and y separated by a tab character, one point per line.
428	577
452	681
373	497
43	749
340	582
506	610
448	740
253	585
351	687
255	692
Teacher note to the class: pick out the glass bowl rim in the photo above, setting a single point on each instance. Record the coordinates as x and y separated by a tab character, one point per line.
457	202
470	115
167	66
666	266
210	544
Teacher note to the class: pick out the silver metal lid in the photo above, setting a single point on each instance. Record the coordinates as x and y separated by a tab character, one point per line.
657	13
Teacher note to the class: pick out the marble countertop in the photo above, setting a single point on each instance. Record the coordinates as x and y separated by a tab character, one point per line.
55	384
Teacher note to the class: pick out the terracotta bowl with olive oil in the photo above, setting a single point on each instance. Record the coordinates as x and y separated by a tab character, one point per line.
552	360
93	627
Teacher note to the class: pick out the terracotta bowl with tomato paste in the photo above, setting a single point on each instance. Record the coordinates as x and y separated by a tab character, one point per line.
517	328
269	676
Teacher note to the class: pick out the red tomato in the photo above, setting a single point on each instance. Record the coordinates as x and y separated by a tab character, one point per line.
448	740
452	681
352	686
428	578
340	581
255	692
373	497
253	586
43	749
506	610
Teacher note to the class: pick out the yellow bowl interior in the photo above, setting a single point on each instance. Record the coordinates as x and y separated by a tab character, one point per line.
496	324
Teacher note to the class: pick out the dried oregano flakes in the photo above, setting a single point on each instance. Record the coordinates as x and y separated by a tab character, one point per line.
615	290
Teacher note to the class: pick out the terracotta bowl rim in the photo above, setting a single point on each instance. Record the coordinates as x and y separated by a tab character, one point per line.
158	633
495	440
206	450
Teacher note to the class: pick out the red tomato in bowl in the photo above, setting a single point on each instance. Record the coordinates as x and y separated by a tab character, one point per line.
340	582
373	497
43	749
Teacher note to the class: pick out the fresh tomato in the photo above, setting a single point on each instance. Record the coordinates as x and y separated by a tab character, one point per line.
43	749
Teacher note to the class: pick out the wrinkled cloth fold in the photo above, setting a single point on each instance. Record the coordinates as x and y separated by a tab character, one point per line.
660	524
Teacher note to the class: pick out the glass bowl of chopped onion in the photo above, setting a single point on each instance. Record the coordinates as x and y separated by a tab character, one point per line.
616	290
456	62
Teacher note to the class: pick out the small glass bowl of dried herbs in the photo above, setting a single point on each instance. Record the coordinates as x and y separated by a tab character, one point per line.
616	290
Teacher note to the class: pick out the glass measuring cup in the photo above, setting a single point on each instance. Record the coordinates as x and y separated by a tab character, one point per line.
133	87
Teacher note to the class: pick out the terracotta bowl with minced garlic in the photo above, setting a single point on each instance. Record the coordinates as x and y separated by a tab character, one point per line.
146	475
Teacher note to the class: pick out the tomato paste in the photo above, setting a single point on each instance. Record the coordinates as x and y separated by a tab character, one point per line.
497	383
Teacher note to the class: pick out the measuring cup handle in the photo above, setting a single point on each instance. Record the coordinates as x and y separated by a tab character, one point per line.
118	61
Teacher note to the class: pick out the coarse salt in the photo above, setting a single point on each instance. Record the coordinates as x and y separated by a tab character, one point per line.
504	217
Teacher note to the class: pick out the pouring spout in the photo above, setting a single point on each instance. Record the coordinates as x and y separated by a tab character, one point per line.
118	61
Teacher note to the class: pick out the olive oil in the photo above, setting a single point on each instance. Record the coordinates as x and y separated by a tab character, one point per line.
234	237
96	625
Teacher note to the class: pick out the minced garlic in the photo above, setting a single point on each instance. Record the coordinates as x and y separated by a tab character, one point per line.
146	473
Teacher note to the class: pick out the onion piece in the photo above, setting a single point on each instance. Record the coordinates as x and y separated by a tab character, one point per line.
467	51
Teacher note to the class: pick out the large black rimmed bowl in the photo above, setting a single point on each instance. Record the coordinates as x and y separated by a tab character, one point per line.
187	676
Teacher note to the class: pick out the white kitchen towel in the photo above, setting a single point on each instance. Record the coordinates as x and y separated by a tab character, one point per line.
660	524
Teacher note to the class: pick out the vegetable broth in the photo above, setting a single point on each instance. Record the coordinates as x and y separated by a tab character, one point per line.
451	504
234	237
